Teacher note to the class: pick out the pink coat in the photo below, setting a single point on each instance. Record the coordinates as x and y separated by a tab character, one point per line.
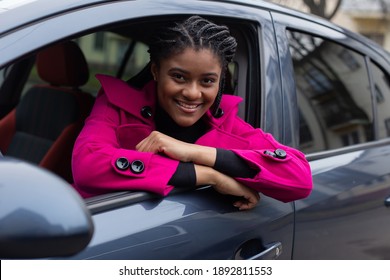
116	125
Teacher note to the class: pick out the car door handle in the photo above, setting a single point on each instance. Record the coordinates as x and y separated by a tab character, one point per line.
269	251
272	251
387	201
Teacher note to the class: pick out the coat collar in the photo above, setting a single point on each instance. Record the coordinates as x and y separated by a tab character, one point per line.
127	98
132	100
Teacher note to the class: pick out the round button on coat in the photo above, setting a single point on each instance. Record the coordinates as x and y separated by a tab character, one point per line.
122	163
137	166
269	153
146	112
280	153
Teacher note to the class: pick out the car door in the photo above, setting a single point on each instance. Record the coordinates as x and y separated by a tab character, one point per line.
342	90
187	224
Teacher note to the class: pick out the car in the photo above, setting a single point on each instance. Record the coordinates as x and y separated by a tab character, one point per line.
310	83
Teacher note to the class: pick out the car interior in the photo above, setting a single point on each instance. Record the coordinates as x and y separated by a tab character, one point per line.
47	120
46	97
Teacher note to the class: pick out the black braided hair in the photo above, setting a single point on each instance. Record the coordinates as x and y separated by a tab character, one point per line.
197	33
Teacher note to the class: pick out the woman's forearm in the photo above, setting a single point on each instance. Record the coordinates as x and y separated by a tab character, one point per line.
203	155
205	175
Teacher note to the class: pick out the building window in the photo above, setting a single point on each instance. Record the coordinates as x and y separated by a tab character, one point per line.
349	60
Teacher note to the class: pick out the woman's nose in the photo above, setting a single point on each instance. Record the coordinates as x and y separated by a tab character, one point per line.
192	91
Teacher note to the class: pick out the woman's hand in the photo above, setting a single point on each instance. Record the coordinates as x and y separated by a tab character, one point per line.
158	142
227	185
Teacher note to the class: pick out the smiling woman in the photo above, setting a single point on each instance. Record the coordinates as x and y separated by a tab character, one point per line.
178	130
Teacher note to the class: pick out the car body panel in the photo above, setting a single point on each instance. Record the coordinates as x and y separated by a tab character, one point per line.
346	216
188	225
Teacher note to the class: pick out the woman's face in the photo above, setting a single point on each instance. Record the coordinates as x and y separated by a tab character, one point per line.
187	84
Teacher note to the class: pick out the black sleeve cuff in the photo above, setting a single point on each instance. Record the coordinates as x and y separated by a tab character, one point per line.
227	162
184	176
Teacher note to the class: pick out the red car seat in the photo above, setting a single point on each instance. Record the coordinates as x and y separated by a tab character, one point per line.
44	125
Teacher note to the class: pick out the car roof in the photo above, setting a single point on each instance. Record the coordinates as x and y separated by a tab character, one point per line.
15	14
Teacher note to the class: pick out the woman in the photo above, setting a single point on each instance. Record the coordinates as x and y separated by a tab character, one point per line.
178	130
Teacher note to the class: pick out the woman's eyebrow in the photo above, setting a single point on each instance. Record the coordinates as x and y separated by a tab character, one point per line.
188	72
179	70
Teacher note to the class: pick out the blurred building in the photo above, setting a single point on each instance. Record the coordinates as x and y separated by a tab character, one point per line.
370	18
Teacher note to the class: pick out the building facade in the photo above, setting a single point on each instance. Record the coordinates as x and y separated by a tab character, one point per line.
370	18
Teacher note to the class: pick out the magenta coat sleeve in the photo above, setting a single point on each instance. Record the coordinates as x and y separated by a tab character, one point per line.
286	178
100	165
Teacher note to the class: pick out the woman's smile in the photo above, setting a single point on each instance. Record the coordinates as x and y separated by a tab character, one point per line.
188	107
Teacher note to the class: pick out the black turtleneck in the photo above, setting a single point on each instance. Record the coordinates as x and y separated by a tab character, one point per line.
165	124
226	162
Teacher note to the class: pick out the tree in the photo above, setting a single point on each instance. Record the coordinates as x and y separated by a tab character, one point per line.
323	8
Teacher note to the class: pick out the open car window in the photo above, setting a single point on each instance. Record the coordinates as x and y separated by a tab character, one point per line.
117	50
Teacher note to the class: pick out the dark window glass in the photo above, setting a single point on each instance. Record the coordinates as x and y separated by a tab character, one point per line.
99	41
333	91
381	81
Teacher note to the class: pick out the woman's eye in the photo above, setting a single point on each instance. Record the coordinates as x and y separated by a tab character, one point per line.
178	77
208	81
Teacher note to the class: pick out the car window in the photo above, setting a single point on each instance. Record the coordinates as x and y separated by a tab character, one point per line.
108	53
381	87
112	54
333	92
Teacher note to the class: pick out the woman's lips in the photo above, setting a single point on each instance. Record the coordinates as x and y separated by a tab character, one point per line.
187	107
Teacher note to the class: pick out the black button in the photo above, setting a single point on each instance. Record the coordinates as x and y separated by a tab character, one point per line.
219	113
272	154
146	112
137	166
280	153
122	163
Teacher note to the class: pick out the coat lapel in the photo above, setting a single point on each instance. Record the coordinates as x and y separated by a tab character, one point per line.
127	98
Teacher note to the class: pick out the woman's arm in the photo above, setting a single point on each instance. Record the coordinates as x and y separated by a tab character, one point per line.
284	178
227	185
158	142
204	159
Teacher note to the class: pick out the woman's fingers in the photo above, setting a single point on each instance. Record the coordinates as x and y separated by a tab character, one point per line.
152	143
228	185
248	202
158	142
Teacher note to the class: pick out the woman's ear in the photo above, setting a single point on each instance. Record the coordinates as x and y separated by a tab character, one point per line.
153	69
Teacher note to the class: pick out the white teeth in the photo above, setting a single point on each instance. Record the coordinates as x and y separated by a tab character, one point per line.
188	106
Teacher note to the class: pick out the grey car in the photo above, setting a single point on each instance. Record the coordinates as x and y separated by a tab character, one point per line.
312	84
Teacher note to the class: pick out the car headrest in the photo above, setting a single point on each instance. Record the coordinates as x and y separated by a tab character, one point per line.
63	65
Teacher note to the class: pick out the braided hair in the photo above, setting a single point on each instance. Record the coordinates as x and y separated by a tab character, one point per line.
197	33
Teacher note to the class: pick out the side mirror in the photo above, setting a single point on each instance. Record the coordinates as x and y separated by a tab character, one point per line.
41	215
